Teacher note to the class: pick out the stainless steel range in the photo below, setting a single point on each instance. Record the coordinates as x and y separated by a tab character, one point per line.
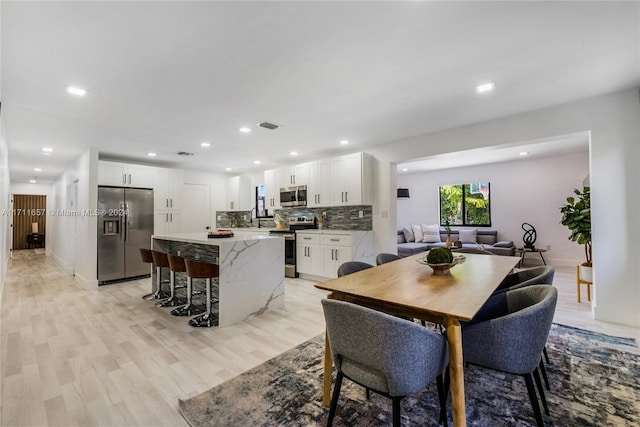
295	223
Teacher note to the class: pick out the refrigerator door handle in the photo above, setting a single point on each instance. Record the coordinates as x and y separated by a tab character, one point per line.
123	215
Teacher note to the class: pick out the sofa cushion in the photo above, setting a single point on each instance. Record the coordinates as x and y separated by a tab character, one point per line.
417	232
468	236
430	233
408	235
503	244
407	249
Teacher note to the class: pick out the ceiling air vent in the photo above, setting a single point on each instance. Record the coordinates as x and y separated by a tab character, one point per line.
268	125
184	153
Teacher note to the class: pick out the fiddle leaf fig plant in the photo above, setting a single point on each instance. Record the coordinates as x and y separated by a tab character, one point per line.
576	215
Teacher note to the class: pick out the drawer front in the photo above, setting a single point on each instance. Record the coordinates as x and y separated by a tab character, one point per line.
336	240
311	239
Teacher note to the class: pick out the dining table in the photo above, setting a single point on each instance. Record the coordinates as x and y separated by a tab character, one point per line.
409	288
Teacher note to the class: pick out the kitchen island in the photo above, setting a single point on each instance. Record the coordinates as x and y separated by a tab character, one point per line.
251	269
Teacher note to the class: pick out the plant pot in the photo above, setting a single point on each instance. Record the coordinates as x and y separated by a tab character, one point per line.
586	273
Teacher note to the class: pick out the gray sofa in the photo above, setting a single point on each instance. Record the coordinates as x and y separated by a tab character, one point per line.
488	239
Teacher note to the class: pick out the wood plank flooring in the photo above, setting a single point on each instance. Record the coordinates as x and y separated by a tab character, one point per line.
72	357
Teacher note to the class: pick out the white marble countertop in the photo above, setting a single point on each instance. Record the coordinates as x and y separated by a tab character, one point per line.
201	237
326	231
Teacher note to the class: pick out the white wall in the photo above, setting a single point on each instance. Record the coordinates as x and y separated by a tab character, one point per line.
529	190
614	126
40	190
75	246
5	206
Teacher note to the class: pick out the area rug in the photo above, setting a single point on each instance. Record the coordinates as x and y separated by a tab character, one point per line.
595	381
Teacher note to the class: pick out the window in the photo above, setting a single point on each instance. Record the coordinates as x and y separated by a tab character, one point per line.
465	204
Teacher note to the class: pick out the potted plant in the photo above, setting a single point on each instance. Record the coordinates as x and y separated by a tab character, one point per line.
576	215
447	229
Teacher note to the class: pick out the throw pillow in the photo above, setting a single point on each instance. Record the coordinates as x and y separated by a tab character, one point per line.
468	236
408	235
430	233
417	232
503	244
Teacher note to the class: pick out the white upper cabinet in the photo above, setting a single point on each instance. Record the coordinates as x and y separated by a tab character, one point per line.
125	174
238	193
271	189
319	183
295	175
350	180
344	180
167	189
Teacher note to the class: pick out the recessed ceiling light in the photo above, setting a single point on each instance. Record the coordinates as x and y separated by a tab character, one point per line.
524	153
33	181
293	153
151	154
205	144
77	91
228	169
404	169
344	142
486	87
244	130
37	169
256	162
47	150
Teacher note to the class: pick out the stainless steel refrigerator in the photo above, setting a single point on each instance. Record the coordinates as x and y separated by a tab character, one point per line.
125	224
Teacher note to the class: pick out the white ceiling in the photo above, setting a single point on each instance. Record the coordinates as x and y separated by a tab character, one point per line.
165	76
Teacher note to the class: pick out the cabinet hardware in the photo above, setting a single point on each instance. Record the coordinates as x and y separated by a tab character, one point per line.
124	178
170	203
346	197
335	240
129	178
171	217
166	202
166	217
307	238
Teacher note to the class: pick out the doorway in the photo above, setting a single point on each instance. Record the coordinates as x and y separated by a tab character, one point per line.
29	221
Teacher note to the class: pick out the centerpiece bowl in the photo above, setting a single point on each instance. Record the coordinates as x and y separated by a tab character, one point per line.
443	268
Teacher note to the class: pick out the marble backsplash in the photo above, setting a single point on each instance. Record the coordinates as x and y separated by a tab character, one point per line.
335	218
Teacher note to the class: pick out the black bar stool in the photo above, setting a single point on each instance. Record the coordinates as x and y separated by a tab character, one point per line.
189	309
176	265
202	270
161	261
147	257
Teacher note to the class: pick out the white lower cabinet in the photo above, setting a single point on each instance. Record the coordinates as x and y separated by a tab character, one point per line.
308	255
321	253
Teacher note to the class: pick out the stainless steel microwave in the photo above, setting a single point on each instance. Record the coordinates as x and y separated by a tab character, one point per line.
293	196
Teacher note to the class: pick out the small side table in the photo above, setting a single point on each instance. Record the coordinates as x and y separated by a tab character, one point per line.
35	239
523	251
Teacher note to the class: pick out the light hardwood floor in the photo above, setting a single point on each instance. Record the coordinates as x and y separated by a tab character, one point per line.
72	357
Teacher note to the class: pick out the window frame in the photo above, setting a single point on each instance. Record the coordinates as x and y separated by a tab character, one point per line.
464	204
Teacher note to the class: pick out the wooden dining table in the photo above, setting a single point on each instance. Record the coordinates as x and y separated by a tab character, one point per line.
408	288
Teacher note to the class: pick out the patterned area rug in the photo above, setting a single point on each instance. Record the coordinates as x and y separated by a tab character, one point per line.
595	381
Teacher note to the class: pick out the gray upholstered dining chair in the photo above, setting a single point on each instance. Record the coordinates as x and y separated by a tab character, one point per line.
352	267
384	258
509	333
542	275
390	356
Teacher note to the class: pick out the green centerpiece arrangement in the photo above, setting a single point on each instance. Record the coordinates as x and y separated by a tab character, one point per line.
441	260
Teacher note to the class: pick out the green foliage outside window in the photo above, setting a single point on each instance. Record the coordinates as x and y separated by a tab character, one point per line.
465	204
